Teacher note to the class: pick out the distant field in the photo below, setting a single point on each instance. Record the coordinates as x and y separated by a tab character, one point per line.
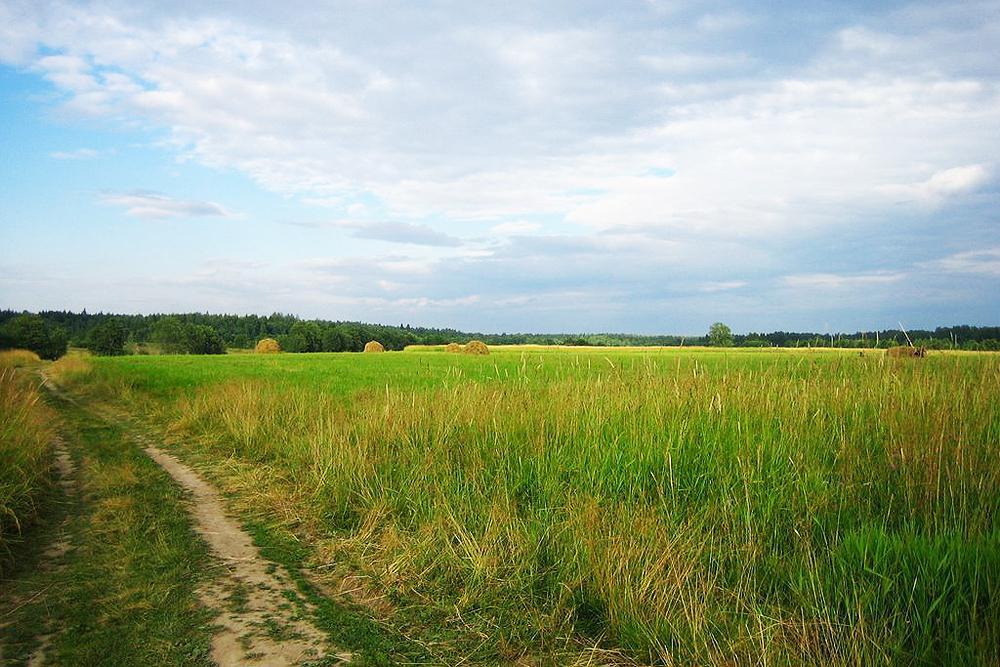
665	505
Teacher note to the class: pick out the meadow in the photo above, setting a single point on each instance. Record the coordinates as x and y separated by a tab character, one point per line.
665	505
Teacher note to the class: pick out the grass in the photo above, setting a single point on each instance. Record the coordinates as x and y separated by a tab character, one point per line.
25	448
124	590
669	506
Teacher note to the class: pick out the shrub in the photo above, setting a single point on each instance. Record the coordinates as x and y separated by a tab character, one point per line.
374	346
267	346
476	347
203	339
170	335
108	338
31	332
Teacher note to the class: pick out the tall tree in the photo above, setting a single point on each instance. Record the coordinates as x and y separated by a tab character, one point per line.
720	335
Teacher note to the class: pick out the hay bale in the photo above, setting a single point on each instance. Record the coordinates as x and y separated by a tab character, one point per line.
267	346
906	351
374	346
452	347
476	347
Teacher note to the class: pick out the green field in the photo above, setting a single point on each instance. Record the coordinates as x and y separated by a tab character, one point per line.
666	505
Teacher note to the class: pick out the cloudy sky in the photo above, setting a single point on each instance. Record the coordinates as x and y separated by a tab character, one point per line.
647	166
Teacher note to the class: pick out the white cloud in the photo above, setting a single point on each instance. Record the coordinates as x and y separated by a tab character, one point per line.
145	204
942	185
529	114
722	285
398	232
515	228
984	262
834	281
78	154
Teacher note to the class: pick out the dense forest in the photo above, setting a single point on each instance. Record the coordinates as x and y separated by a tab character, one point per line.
207	334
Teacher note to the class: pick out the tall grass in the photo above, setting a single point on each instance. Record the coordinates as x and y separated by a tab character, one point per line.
25	446
760	508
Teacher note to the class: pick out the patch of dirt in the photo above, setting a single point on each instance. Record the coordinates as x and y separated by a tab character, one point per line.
257	604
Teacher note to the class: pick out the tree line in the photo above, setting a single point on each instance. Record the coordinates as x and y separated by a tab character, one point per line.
49	333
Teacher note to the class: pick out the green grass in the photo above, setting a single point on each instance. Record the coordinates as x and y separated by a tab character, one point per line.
124	593
676	505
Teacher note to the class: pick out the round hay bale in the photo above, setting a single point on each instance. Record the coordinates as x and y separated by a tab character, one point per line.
267	346
374	346
476	347
452	347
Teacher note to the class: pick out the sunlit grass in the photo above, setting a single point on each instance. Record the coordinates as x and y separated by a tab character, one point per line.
687	506
25	445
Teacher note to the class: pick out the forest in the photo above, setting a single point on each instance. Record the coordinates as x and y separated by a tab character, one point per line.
50	332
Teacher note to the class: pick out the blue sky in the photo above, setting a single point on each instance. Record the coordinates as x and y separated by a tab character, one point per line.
649	166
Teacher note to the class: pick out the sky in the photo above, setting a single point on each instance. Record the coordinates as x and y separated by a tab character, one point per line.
650	166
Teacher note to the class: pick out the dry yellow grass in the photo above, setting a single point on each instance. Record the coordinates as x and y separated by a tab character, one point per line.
374	346
267	346
452	347
18	358
70	366
476	347
906	351
26	433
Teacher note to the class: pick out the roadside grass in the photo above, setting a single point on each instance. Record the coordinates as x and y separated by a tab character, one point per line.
25	449
679	506
124	592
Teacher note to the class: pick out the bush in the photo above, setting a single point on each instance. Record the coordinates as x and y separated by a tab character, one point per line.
31	332
203	339
108	338
169	333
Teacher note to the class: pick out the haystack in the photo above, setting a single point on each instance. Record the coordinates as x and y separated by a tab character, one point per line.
452	347
906	351
374	346
267	346
476	347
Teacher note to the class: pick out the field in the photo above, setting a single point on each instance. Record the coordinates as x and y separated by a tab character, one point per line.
661	505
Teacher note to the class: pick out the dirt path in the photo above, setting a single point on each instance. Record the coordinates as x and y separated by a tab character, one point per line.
260	617
258	623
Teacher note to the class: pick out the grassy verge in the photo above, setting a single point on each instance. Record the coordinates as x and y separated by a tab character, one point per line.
121	590
678	506
25	449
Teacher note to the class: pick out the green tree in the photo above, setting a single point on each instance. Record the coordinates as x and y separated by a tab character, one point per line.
303	337
32	332
720	335
108	337
203	339
170	334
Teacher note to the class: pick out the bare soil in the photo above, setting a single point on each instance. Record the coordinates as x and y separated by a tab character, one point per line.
260	620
